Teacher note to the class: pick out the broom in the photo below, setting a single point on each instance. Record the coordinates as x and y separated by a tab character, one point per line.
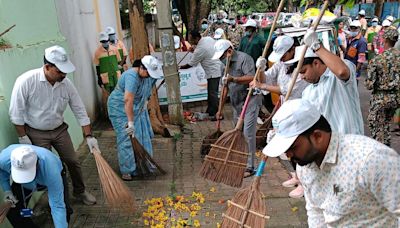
263	130
226	163
212	138
145	165
4	208
247	209
117	195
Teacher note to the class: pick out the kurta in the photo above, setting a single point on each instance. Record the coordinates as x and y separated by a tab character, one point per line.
130	81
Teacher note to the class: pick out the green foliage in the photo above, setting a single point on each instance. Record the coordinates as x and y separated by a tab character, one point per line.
242	6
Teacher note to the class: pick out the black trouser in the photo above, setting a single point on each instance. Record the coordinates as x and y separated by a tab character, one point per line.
212	97
13	215
267	102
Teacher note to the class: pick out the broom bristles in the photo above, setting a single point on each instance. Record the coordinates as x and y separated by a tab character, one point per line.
247	207
226	162
117	195
4	208
208	140
145	165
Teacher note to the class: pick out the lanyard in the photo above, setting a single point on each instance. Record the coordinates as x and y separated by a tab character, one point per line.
23	195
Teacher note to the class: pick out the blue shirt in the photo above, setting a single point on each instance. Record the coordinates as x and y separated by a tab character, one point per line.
48	173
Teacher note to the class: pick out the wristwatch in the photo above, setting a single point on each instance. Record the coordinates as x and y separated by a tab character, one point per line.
315	46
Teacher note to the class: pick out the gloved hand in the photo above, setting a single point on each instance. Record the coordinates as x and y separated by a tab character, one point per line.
130	129
9	197
256	91
261	63
311	38
24	140
92	143
226	79
270	135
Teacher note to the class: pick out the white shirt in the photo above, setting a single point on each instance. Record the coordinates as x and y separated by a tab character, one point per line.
203	54
338	101
357	185
35	102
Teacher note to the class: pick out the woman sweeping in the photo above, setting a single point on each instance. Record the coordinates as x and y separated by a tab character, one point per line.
127	110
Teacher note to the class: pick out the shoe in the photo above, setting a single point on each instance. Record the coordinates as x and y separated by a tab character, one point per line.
249	172
86	198
126	177
292	182
297	193
259	120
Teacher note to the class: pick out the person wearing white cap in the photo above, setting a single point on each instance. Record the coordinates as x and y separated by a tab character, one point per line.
371	32
356	47
363	21
203	54
119	45
219	34
334	86
379	40
38	101
391	19
241	72
252	43
31	169
127	110
349	180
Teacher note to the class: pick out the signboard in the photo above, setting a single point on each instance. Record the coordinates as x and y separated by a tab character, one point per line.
193	82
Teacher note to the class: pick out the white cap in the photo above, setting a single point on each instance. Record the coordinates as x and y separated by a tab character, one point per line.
58	56
250	23
282	44
386	23
110	30
390	18
362	12
177	42
375	20
220	47
293	118
153	66
218	33
103	36
297	54
355	23
23	164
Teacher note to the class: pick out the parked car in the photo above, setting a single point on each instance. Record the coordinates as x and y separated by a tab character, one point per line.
284	19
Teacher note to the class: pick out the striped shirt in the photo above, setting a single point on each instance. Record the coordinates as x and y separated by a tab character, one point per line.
338	101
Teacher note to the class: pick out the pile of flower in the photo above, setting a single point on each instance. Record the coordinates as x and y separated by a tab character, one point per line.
174	212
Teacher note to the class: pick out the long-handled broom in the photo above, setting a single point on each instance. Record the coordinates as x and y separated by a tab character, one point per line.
226	163
213	137
263	130
145	164
117	195
4	208
247	208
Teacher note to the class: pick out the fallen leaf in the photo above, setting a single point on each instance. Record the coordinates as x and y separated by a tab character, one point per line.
294	209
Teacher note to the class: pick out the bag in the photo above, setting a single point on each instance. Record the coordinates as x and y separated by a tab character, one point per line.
352	52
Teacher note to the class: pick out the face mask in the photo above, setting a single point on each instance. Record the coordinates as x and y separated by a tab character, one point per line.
353	34
374	23
105	45
112	38
219	21
204	26
247	33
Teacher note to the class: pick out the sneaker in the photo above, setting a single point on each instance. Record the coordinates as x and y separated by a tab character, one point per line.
259	120
290	183
86	198
297	193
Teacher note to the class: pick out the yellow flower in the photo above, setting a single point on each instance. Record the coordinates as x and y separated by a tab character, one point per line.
207	213
146	222
196	223
212	189
218	225
193	213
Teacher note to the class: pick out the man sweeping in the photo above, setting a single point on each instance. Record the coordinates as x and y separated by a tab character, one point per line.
241	73
32	169
349	180
38	101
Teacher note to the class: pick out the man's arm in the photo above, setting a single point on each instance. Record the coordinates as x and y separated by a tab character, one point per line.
334	63
18	107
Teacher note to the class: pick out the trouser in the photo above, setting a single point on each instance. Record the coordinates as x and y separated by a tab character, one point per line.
267	102
14	216
60	139
212	95
379	119
249	130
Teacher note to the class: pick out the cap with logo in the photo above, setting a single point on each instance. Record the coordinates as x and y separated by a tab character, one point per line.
23	164
153	66
220	47
58	56
298	52
282	44
293	118
219	32
250	23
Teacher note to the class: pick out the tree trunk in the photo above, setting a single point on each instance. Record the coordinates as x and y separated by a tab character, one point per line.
140	46
379	7
192	11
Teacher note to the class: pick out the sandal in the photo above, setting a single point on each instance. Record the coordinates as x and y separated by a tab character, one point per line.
127	177
249	172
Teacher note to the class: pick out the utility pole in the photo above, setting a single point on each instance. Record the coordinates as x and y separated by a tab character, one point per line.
170	68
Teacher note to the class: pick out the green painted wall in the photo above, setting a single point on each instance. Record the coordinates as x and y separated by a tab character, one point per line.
36	29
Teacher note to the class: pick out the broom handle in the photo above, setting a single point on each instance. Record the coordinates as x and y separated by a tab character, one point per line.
299	65
240	122
221	99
